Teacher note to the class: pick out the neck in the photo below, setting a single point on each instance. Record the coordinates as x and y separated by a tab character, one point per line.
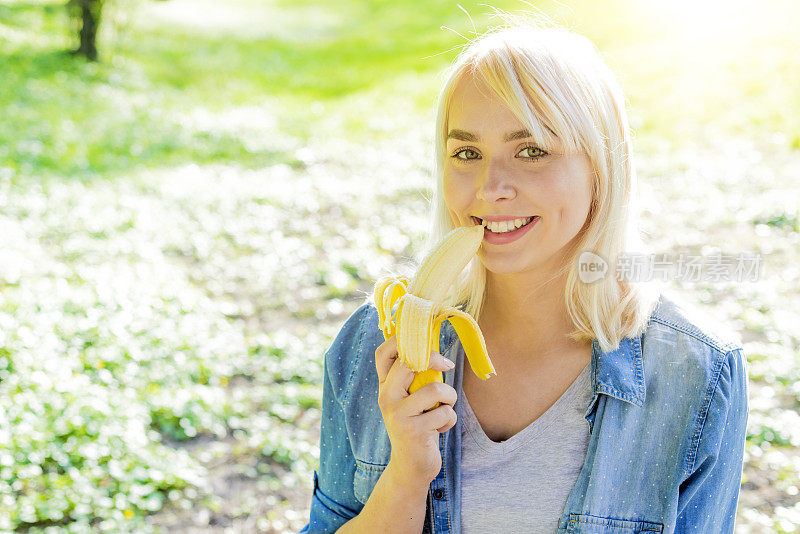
529	310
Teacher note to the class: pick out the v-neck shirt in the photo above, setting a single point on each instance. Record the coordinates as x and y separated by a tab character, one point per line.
521	484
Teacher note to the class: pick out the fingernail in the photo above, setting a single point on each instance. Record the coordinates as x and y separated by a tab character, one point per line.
449	363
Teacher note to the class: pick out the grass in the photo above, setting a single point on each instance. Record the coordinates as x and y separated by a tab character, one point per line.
187	223
131	110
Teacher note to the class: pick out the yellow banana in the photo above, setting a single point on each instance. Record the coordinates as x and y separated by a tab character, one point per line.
420	311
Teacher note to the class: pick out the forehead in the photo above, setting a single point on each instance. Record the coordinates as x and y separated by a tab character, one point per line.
477	109
475	106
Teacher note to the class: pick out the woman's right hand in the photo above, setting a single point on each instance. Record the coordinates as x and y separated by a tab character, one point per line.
414	435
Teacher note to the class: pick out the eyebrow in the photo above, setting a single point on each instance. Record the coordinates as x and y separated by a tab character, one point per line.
462	135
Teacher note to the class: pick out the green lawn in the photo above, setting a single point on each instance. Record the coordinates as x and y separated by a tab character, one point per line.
185	225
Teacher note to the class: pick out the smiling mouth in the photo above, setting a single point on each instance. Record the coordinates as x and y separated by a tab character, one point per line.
505	226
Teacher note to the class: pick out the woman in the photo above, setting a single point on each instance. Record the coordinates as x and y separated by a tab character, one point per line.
614	409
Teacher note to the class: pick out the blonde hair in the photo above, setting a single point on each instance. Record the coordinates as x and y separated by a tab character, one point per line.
557	84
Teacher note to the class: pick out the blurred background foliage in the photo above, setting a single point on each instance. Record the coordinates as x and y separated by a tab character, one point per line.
186	222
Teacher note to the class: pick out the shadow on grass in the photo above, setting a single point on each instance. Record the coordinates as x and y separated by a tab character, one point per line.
70	118
15	14
64	116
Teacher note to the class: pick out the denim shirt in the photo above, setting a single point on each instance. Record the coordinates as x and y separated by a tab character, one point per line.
667	425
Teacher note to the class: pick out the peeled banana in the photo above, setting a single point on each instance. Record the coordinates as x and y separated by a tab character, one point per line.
413	310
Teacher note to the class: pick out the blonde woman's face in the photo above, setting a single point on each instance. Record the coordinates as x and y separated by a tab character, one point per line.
493	171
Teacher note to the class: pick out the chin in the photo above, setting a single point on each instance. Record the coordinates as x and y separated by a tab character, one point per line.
509	265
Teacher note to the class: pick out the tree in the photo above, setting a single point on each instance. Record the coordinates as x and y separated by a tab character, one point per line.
88	12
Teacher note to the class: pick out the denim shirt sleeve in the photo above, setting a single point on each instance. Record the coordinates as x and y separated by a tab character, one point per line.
709	494
333	502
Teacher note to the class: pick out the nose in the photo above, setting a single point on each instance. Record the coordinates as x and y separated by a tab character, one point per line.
495	183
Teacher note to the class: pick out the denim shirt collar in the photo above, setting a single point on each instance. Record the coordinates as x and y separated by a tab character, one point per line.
619	373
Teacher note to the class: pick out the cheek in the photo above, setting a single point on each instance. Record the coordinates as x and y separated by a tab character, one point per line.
456	196
583	190
576	197
572	192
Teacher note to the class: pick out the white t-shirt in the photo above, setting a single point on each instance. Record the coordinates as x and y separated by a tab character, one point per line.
521	485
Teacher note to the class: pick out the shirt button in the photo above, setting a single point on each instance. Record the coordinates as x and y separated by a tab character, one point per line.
438	494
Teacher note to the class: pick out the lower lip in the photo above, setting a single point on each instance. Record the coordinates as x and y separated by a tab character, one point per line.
508	237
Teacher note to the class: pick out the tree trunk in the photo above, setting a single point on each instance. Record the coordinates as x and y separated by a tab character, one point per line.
90	19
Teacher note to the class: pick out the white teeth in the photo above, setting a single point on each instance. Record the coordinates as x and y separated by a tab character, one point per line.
505	226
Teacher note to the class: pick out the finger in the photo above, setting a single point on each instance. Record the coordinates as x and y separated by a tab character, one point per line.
440	419
427	396
448	426
385	356
399	378
439	362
